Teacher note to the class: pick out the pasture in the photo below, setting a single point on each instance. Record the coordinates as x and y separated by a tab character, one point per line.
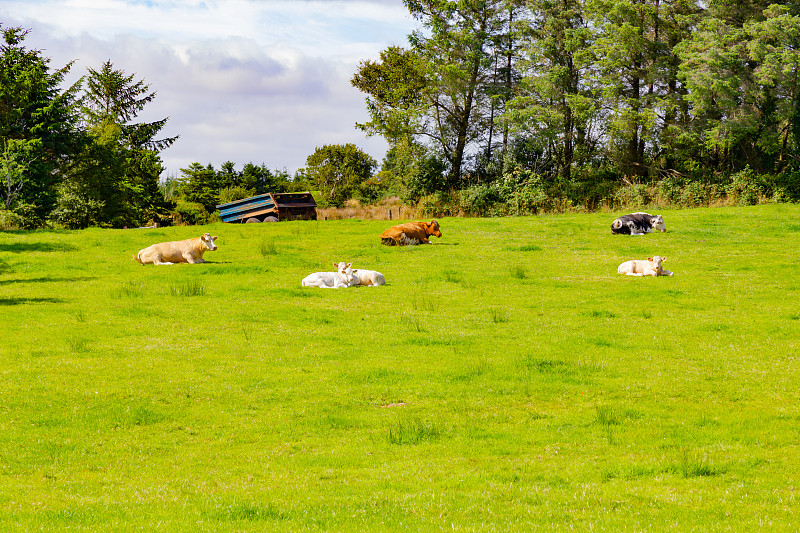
505	379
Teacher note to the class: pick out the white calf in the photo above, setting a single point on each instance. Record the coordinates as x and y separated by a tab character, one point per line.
369	277
638	267
340	279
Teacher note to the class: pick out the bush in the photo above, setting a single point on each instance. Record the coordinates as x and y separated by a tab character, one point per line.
75	210
231	194
787	185
440	204
481	200
669	190
745	188
10	220
427	177
632	195
190	214
378	187
524	192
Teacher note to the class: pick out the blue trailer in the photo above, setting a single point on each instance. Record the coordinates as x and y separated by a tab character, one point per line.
270	207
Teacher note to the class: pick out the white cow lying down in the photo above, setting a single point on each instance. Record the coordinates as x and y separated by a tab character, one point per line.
168	253
342	278
369	277
638	267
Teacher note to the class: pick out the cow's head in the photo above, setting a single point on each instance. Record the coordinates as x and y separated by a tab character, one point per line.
657	260
658	223
432	228
208	241
348	273
341	266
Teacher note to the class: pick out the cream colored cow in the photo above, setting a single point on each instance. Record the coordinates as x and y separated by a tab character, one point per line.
168	253
342	278
639	267
368	277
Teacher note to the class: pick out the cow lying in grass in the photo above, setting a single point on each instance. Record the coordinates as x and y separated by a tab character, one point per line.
369	278
168	253
638	224
342	278
638	267
410	233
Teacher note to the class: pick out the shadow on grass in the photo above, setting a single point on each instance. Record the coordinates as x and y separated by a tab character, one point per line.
36	247
46	280
23	301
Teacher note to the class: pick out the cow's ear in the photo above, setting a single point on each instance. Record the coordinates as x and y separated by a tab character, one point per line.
649	258
214	238
349	265
335	264
663	259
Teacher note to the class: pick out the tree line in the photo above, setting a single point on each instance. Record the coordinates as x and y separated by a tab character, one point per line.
530	102
76	157
493	107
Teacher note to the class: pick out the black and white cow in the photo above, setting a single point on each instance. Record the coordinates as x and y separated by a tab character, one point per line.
638	224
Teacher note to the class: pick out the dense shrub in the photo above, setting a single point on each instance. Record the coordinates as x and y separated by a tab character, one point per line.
190	214
76	210
633	195
787	185
231	194
745	188
525	192
426	178
10	220
382	185
481	200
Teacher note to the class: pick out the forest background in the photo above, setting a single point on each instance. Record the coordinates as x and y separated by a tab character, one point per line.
494	107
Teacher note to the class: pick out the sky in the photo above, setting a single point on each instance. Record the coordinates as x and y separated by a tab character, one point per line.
247	81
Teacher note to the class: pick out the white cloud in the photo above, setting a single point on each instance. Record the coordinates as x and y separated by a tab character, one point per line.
241	80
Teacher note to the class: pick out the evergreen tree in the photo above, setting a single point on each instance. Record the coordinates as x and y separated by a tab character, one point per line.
117	170
37	126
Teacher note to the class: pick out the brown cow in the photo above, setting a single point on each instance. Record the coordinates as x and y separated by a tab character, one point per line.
410	233
168	253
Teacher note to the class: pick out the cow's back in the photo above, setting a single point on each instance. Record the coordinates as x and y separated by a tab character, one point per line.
171	252
408	233
408	228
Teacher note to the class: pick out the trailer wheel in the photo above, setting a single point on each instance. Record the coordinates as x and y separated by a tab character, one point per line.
251	220
271	219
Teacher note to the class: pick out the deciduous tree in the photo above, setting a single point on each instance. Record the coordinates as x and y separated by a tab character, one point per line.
338	171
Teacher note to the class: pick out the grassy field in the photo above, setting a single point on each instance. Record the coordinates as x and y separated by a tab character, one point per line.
506	379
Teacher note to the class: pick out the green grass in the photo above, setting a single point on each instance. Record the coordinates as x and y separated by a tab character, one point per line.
505	379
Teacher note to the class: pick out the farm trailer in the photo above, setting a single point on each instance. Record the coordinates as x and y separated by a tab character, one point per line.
270	207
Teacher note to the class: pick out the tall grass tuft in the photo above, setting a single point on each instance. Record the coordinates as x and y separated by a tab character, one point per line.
452	276
690	467
519	272
130	289
252	511
413	432
268	248
414	321
606	416
190	287
499	316
79	345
